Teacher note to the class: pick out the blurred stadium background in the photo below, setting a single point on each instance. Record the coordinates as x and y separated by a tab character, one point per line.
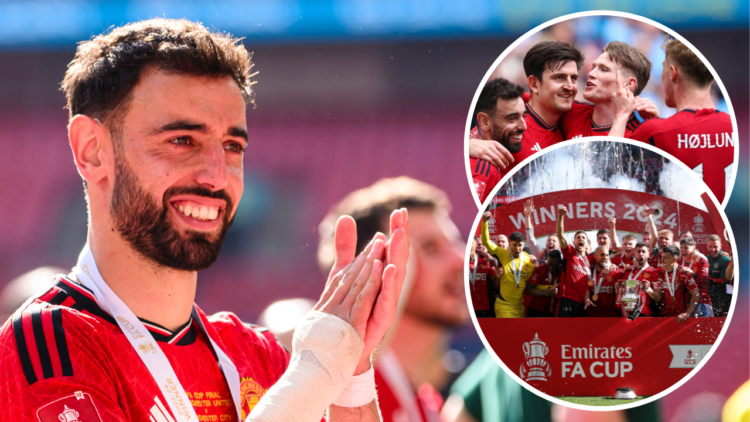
348	93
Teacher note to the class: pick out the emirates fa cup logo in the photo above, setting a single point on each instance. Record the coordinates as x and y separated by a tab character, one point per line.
535	368
698	227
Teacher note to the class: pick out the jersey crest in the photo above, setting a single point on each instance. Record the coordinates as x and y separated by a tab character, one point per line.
251	392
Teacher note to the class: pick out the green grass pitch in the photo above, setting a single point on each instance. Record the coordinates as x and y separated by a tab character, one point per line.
599	401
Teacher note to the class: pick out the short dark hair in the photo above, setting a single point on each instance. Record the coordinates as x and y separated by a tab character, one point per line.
692	66
372	206
641	245
517	237
550	55
685	231
101	77
647	232
492	91
688	241
602	231
632	60
554	254
672	250
581	231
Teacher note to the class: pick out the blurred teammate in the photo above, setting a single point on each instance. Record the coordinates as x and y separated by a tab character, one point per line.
618	62
601	296
517	269
157	129
410	369
676	283
501	241
540	292
500	118
699	135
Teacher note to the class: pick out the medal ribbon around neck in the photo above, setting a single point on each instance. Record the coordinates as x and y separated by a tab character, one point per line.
147	348
474	271
639	272
517	274
671	286
597	285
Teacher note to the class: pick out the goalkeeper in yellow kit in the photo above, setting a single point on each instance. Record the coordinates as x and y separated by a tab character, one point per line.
517	269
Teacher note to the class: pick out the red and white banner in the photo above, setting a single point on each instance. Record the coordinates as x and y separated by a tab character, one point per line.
590	209
595	356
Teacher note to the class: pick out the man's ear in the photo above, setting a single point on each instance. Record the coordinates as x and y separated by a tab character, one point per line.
534	84
91	144
484	121
672	73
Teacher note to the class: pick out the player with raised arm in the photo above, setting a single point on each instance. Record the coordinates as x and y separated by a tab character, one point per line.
158	130
500	118
699	135
620	66
657	240
577	270
676	283
517	269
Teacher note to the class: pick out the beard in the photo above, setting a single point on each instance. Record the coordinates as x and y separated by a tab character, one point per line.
146	226
504	139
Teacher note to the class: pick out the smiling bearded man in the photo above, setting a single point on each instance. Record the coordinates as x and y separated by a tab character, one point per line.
158	132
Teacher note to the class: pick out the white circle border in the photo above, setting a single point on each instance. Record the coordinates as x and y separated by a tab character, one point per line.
735	164
684	379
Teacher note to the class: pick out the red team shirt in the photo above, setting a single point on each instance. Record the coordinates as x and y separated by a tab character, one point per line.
63	356
702	139
700	268
607	296
485	177
621	261
579	122
542	276
577	273
538	135
479	286
649	274
672	306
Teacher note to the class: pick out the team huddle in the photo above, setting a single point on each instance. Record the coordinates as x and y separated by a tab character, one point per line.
511	124
657	276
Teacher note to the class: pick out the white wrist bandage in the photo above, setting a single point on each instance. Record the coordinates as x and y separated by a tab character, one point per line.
359	391
326	352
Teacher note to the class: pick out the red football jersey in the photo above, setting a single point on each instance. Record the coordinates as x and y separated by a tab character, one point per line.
700	269
579	122
397	399
538	135
67	358
654	258
479	287
542	276
650	274
577	273
485	177
622	261
672	306
607	296
702	139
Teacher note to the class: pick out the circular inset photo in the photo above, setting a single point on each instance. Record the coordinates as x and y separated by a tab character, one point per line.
601	74
601	273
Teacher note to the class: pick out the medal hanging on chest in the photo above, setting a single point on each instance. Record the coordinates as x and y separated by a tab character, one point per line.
517	273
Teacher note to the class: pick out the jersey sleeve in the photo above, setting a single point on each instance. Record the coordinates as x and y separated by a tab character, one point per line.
490	245
536	276
643	132
690	283
52	360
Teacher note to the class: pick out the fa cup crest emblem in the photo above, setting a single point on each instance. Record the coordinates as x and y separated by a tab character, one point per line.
68	415
535	368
